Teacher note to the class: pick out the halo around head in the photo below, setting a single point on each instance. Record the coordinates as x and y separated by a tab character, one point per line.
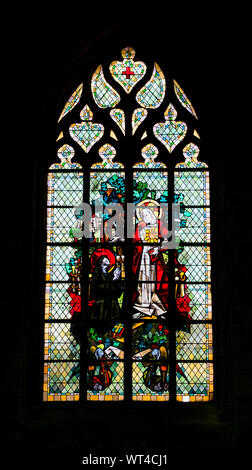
151	204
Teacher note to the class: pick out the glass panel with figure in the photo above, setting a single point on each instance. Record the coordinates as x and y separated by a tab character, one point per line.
128	305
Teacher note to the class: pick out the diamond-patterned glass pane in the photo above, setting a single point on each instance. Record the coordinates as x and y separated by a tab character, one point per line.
59	342
152	93
197	385
200	301
58	259
150	185
59	382
57	302
194	225
197	262
196	345
194	186
65	189
104	95
60	222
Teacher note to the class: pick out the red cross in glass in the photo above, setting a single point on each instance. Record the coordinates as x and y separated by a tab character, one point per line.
128	72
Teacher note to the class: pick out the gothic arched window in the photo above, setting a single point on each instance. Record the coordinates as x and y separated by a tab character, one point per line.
128	270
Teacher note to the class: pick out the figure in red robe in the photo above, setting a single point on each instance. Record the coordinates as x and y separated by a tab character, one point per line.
150	297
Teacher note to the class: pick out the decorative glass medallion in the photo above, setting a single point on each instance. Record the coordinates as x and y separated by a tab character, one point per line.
138	117
170	132
86	134
127	73
104	95
152	94
149	154
191	153
107	153
119	117
65	154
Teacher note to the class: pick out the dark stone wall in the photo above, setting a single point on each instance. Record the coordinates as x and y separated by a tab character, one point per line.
208	56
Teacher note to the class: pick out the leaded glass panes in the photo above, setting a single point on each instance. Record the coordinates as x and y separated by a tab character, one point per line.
138	117
128	72
200	301
198	263
59	342
86	133
60	384
194	351
62	288
195	187
119	117
57	306
195	225
104	95
198	345
152	94
128	298
105	373
171	132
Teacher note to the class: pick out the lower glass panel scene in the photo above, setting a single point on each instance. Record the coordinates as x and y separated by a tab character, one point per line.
150	352
105	374
150	380
106	342
105	381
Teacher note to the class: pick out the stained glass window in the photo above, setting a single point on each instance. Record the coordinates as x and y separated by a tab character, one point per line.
62	288
128	305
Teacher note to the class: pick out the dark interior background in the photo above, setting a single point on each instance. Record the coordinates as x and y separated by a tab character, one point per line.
207	52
